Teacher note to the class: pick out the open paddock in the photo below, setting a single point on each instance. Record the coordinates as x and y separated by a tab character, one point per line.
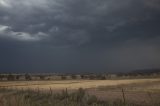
75	84
142	91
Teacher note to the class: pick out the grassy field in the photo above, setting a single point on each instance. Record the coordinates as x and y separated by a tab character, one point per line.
134	92
72	84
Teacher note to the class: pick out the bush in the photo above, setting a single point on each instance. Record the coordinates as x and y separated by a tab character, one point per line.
73	76
64	98
91	77
28	77
82	76
101	77
17	77
91	100
42	77
63	77
1	77
10	77
78	96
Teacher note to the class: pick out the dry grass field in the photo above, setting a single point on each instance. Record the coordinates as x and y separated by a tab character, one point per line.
143	92
75	84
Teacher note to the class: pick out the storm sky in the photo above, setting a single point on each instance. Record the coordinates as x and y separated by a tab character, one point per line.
79	35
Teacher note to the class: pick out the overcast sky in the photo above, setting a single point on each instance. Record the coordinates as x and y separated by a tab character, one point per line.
79	35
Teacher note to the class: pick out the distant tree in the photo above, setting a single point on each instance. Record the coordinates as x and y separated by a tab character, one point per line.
121	74
73	76
91	77
82	76
28	77
1	76
42	77
17	77
10	77
100	77
63	77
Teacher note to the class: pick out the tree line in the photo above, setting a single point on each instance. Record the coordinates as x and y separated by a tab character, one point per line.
28	77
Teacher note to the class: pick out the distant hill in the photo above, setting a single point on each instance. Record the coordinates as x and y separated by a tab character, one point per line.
145	71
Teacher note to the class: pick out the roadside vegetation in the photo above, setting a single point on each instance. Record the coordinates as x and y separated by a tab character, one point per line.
28	97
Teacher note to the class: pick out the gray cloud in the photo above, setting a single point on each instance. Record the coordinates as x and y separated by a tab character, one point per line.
7	32
89	31
152	3
134	54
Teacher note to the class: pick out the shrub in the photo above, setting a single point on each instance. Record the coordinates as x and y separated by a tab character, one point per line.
42	77
17	77
10	77
28	77
64	98
1	77
63	77
82	76
73	76
78	96
91	100
91	77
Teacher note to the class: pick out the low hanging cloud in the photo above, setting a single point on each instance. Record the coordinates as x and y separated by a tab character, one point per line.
7	32
4	3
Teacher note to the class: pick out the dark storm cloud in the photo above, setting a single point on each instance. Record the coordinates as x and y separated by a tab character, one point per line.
73	21
79	34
